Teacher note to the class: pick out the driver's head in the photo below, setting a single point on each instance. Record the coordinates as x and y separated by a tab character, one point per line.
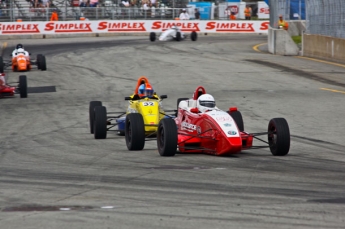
206	102
20	50
149	91
19	46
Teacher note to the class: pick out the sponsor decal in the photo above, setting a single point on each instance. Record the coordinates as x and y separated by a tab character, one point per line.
68	27
264	10
189	126
183	26
122	26
264	26
223	118
231	132
19	28
230	26
227	124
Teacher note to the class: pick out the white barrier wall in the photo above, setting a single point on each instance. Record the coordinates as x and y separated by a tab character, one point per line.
131	26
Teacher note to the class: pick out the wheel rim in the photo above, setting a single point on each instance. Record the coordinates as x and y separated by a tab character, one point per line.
272	137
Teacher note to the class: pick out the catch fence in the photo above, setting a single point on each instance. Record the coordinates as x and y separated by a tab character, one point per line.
326	17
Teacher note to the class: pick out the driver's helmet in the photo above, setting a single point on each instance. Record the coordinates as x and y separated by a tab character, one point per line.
19	46
149	91
20	50
141	90
205	102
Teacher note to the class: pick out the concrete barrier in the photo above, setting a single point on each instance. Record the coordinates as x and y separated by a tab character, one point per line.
281	43
323	47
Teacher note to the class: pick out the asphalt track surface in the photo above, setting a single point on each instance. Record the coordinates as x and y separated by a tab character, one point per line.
55	175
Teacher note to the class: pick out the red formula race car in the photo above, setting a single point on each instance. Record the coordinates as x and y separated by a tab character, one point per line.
203	128
8	90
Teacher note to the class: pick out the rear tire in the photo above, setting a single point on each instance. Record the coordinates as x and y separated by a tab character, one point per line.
237	116
135	131
279	136
100	123
23	86
92	106
167	138
194	36
152	36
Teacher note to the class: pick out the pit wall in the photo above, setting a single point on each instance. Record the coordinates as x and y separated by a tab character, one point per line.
323	47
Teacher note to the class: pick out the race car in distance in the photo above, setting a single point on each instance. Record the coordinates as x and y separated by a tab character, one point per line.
8	90
138	123
174	33
203	128
21	62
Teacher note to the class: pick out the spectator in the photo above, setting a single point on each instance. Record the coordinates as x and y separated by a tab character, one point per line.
153	3
145	4
233	16
125	3
248	12
45	3
184	15
93	3
197	14
83	3
55	16
282	24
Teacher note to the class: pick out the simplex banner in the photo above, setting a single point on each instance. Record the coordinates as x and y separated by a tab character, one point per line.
131	26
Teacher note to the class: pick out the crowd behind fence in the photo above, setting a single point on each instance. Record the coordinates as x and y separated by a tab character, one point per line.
113	10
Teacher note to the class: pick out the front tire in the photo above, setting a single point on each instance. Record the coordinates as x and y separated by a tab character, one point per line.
194	36
167	137
92	106
135	131
43	63
279	136
152	36
23	86
100	123
38	60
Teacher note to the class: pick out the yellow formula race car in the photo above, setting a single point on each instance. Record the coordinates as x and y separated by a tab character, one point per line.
138	123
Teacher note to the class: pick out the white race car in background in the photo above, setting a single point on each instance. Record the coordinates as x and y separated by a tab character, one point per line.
173	33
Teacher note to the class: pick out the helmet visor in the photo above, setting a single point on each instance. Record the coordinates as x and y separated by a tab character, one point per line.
205	103
149	93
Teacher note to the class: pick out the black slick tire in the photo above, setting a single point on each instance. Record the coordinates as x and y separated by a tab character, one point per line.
279	136
193	36
23	86
178	36
100	123
135	131
92	106
152	36
167	138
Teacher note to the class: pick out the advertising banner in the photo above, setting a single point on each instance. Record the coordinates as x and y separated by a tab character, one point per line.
263	10
131	26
